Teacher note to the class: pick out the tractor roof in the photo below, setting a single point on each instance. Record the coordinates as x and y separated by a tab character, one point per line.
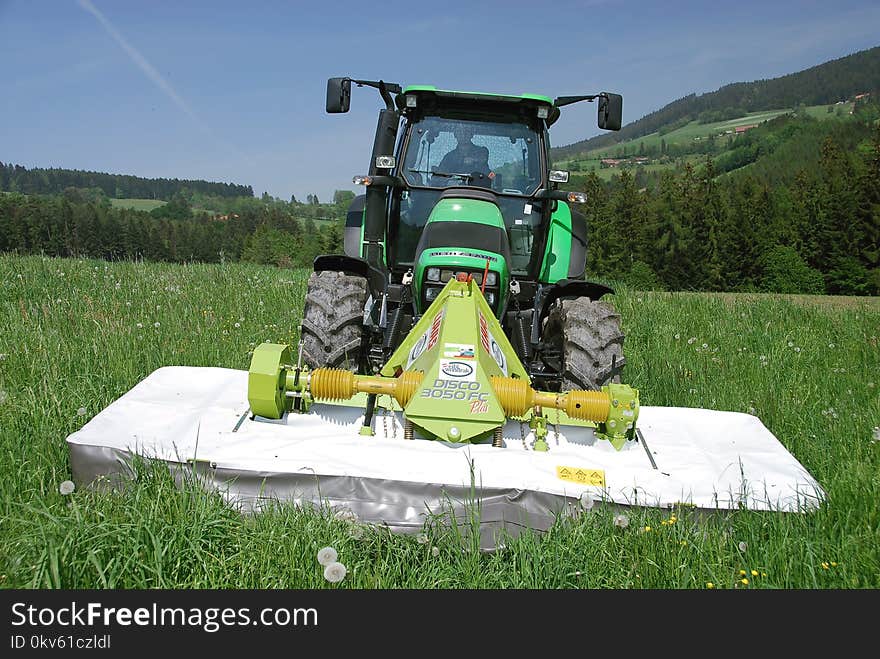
500	101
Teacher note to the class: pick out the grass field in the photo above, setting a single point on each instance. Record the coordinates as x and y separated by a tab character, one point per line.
137	204
76	334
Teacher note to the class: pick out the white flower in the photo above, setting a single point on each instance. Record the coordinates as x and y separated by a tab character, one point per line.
797	349
346	515
876	437
3	356
237	325
140	325
435	551
790	344
691	340
156	324
334	572
586	501
743	546
3	396
422	538
677	336
621	521
66	487
831	345
705	345
327	555
81	411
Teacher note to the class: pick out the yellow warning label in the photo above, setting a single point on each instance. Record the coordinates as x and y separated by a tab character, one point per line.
581	475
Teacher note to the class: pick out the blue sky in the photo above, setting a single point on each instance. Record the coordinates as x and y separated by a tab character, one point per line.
234	91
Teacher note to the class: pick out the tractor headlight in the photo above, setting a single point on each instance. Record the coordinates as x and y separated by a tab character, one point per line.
490	298
491	278
431	293
433	274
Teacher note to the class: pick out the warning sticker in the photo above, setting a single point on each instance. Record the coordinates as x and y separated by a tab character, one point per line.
581	475
459	350
435	329
460	370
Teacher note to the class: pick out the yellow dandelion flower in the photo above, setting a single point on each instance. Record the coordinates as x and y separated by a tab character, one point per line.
754	573
833	564
824	565
763	574
744	581
647	529
742	573
683	543
673	519
710	585
664	522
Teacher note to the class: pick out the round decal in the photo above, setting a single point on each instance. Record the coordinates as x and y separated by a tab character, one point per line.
418	348
457	369
497	354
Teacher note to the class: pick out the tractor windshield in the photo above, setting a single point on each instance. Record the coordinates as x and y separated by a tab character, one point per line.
444	152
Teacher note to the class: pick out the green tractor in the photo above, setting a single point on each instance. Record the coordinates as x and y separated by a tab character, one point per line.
459	186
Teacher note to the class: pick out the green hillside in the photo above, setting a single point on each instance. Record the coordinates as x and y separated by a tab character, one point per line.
667	149
837	80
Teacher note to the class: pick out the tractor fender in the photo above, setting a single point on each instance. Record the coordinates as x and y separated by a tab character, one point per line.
354	226
564	289
351	265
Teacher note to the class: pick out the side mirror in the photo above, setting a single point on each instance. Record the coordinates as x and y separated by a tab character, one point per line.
338	95
610	111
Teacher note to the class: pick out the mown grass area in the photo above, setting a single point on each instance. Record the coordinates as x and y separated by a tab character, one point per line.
137	204
76	334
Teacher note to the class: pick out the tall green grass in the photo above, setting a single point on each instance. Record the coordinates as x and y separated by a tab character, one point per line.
75	335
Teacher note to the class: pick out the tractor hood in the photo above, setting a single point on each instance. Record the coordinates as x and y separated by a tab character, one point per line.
465	232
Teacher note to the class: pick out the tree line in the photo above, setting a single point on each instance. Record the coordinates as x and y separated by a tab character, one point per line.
815	232
15	178
269	234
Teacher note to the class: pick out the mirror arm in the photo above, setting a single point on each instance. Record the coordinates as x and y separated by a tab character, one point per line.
385	89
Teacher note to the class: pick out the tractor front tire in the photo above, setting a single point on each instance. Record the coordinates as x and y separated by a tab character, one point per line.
589	339
333	320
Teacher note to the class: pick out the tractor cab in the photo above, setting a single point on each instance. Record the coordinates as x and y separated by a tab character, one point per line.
473	159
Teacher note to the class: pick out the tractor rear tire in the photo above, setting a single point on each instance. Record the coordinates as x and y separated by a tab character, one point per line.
590	341
333	320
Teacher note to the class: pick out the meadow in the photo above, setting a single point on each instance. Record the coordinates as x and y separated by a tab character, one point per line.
137	204
76	334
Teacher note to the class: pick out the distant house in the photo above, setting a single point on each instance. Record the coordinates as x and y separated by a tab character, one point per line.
865	95
611	162
743	129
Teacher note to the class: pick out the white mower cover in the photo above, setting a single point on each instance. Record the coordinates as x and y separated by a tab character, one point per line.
197	418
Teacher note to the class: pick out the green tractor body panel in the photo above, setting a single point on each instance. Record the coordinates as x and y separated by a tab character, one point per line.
449	258
557	254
